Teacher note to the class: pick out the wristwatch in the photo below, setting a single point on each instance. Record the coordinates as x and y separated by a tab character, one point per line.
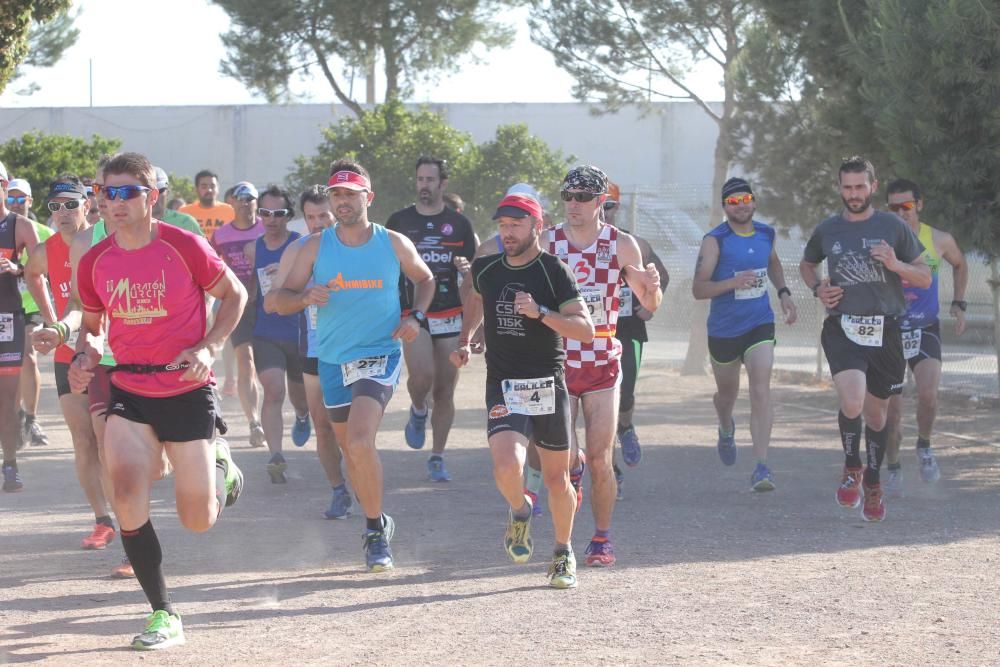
816	287
962	305
542	312
419	316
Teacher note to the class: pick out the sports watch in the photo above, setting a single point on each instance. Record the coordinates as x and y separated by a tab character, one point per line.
542	312
419	316
961	305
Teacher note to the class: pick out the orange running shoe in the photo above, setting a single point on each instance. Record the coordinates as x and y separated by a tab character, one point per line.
123	570
874	509
849	491
100	538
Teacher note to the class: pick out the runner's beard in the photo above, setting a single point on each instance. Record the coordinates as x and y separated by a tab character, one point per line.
523	247
854	208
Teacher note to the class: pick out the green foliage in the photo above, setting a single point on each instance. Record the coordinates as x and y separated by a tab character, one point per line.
183	187
40	158
388	140
47	42
15	26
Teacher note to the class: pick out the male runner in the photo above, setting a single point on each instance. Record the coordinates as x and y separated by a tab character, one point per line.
442	236
69	205
230	241
276	337
530	301
600	258
149	280
355	267
17	234
922	332
735	262
868	253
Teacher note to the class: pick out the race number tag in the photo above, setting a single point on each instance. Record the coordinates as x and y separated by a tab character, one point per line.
593	298
625	302
6	327
264	280
911	343
445	325
535	396
757	289
864	329
22	286
312	316
364	368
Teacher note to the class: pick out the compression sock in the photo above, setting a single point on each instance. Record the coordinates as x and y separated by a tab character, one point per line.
923	443
875	446
850	438
143	550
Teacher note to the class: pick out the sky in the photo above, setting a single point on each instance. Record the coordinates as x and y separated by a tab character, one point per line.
141	58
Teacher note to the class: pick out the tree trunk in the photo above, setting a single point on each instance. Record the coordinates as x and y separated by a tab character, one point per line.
995	288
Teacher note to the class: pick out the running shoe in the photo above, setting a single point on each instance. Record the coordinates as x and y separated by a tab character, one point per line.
123	570
576	480
276	468
874	508
562	570
233	474
849	491
162	631
301	431
599	553
631	451
619	481
102	536
517	539
35	435
12	479
929	471
378	556
436	471
727	446
894	483
340	505
257	437
416	430
761	478
536	505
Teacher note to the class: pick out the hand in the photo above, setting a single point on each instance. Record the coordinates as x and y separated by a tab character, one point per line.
829	295
885	253
462	265
788	308
478	341
45	339
639	311
317	295
199	360
525	305
642	281
81	370
959	316
460	356
8	266
408	329
744	279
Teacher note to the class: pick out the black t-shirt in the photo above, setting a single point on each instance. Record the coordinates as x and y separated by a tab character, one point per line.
518	346
630	327
438	238
10	295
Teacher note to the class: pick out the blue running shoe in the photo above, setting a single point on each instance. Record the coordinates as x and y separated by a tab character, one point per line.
631	451
436	471
301	431
340	504
727	447
378	556
11	479
761	479
415	430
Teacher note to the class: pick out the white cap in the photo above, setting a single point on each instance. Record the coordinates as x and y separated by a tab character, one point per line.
162	180
524	189
20	184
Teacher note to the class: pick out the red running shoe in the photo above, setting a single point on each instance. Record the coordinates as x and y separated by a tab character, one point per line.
874	509
849	491
100	538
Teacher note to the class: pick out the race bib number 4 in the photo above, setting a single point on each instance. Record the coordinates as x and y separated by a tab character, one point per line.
369	367
6	327
911	343
535	396
625	302
864	329
757	289
593	297
445	325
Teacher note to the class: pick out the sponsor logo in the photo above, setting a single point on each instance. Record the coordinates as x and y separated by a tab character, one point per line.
749	251
435	257
509	323
582	271
871	243
604	251
894	387
447	229
837	249
137	303
337	284
499	411
10	356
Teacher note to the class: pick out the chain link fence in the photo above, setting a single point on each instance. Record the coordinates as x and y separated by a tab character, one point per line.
673	219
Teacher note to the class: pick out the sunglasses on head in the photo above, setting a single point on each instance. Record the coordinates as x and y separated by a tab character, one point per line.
11	199
735	200
274	212
566	195
896	208
123	192
245	198
54	206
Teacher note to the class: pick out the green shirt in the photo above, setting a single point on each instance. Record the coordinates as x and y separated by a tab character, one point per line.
26	301
182	220
99	235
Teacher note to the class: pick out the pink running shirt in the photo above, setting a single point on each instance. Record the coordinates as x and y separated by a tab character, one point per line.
229	242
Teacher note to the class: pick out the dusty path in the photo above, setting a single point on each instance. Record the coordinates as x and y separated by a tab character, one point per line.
707	572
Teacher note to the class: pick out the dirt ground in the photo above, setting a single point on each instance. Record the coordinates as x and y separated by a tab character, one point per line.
708	573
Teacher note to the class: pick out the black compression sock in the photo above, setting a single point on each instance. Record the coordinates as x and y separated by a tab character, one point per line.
375	524
875	446
923	443
143	550
850	439
106	521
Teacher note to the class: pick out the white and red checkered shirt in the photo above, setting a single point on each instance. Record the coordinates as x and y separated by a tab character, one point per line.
597	275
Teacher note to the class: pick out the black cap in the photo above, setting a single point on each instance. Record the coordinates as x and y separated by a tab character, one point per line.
734	185
68	189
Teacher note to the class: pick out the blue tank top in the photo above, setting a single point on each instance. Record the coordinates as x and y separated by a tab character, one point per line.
734	313
272	326
922	304
363	309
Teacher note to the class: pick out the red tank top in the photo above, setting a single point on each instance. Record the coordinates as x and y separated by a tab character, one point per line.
60	274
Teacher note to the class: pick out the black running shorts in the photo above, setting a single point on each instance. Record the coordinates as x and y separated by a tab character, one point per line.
194	415
548	431
884	367
728	350
927	347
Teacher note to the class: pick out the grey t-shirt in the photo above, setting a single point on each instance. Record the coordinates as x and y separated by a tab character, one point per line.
869	288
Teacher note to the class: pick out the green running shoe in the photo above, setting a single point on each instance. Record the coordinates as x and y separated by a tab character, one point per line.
234	476
517	540
562	570
162	631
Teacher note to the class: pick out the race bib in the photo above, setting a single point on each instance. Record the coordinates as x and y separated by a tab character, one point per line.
264	280
625	302
864	329
445	325
535	396
757	289
312	316
364	368
911	343
22	286
6	327
593	298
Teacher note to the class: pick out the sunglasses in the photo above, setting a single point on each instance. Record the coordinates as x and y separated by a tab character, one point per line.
566	195
16	200
735	200
70	205
274	212
123	192
96	188
245	198
895	208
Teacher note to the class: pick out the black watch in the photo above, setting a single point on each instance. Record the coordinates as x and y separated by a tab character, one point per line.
962	305
784	290
419	316
816	287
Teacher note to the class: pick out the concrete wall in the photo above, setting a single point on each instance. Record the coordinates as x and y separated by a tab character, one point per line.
673	144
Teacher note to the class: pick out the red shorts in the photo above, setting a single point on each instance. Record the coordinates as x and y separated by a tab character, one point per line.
592	379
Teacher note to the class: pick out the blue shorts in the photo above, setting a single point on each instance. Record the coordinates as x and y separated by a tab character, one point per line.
338	395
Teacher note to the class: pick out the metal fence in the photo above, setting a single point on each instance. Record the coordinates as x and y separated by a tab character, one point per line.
672	220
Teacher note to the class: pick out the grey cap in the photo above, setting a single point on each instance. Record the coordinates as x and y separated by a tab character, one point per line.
162	180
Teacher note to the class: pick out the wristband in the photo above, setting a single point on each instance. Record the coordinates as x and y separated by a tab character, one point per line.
77	356
816	287
961	305
63	330
784	290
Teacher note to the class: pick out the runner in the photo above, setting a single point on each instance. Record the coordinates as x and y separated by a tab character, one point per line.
276	337
922	333
444	238
355	266
69	206
17	234
230	241
601	259
735	262
530	301
162	396
868	254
